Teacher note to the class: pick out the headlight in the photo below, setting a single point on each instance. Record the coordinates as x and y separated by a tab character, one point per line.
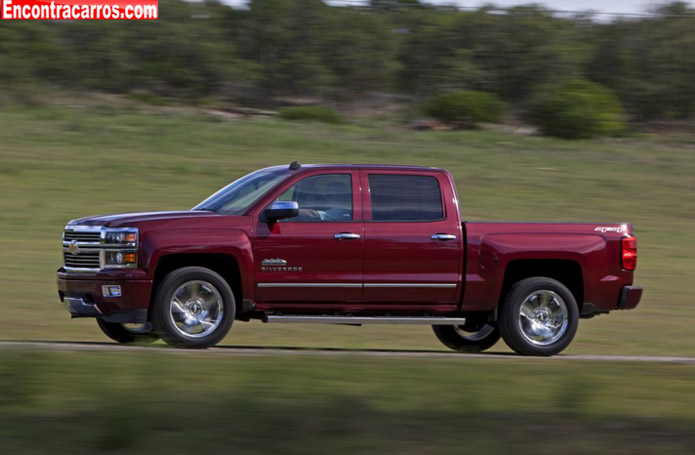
120	258
121	237
121	248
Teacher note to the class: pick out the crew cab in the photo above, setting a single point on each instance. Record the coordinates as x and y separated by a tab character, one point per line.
344	244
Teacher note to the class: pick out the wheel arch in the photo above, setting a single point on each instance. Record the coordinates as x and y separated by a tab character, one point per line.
226	265
566	271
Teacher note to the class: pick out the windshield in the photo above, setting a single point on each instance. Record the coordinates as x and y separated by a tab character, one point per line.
238	196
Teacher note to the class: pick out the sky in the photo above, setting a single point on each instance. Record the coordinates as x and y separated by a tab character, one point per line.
609	6
603	6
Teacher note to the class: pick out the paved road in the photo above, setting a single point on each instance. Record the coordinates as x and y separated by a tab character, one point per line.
289	351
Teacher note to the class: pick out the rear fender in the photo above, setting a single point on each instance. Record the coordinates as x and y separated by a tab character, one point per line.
496	251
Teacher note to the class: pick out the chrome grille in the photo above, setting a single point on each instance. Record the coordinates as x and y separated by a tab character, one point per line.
82	246
82	260
89	248
69	236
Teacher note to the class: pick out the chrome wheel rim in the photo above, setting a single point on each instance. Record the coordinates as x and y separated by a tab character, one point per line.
543	318
484	332
196	309
138	328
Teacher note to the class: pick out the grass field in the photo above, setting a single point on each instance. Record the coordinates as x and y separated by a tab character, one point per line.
143	403
58	163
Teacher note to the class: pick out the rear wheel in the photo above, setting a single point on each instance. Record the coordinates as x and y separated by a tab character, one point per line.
194	308
539	317
473	337
128	333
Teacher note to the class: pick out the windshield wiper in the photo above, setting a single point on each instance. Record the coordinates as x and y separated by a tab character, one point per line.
205	209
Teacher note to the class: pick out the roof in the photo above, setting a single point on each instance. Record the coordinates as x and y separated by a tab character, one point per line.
362	166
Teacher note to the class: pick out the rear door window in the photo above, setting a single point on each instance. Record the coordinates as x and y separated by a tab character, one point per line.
405	198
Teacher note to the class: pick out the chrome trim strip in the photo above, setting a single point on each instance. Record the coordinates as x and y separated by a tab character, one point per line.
284	205
357	285
85	245
83	228
365	320
91	246
410	285
309	285
78	301
80	269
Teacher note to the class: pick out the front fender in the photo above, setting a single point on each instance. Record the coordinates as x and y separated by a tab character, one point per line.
234	242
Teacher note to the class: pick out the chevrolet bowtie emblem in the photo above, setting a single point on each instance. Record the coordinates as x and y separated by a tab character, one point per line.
74	247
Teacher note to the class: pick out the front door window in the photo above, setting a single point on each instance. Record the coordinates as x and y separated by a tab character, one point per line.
326	197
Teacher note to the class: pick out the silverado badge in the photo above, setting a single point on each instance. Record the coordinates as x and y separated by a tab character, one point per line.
277	265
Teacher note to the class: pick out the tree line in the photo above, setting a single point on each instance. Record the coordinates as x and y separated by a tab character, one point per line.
277	48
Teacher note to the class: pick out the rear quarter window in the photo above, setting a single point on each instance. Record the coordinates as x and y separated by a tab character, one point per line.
405	198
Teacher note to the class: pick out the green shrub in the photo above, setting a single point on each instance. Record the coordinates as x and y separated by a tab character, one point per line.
314	113
149	98
465	107
577	109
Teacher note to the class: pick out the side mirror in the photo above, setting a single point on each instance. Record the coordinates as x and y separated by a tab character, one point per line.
281	209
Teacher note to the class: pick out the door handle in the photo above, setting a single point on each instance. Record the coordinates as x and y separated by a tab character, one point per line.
346	236
443	237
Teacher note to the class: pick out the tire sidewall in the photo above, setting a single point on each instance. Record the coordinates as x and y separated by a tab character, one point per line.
160	312
450	338
509	314
117	332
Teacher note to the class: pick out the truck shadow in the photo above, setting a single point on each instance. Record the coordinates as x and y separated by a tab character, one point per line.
19	343
355	350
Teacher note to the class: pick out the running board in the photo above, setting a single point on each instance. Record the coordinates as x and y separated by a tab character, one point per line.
359	320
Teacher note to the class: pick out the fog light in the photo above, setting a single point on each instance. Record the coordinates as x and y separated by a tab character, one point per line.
111	290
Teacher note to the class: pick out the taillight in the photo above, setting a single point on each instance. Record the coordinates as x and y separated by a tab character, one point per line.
629	252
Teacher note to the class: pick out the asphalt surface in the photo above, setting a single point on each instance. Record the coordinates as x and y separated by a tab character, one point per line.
231	350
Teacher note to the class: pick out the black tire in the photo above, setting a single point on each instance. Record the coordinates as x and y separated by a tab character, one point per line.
162	315
467	338
123	334
534	290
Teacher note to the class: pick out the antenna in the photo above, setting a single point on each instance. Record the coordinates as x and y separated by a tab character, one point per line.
294	166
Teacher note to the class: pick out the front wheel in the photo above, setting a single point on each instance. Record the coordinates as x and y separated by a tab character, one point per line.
467	338
128	333
539	317
193	308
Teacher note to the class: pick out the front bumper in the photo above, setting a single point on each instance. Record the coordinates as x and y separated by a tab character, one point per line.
629	297
82	297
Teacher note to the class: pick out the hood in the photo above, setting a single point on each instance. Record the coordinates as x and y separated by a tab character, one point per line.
125	219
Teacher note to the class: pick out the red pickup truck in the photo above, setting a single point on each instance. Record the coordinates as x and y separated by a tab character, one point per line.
344	244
